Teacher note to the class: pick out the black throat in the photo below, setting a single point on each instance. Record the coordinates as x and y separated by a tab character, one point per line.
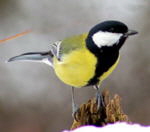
106	57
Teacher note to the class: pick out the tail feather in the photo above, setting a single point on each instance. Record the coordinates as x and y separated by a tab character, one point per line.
45	57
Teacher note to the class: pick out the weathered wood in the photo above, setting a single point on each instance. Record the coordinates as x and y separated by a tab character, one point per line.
111	112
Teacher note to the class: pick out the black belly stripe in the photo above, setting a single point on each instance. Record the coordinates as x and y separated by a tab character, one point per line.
105	61
106	57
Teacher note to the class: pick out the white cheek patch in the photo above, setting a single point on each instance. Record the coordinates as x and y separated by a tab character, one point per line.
106	38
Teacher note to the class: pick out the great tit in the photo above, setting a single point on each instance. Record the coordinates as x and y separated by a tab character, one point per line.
85	59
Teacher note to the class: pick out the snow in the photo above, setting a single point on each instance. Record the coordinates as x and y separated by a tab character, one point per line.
117	127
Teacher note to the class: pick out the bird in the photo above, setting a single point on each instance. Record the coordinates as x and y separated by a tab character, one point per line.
85	59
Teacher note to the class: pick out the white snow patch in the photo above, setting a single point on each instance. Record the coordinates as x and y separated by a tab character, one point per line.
117	127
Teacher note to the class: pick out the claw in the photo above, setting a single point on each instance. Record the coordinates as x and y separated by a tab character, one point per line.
99	98
75	111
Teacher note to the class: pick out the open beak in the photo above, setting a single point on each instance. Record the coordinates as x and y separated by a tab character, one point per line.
131	32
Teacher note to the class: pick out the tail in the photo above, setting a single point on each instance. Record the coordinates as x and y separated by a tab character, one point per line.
45	57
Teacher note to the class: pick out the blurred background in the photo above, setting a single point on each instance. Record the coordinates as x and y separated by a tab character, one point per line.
32	99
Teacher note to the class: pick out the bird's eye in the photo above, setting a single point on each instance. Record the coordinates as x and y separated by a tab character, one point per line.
111	29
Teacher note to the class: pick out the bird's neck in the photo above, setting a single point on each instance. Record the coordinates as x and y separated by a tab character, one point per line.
98	51
106	58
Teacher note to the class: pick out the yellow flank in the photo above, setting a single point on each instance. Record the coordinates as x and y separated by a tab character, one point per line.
76	67
110	70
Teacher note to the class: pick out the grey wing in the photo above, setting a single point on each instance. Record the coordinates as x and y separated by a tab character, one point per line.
55	49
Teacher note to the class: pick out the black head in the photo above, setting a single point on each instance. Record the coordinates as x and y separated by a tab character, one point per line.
110	26
104	41
108	34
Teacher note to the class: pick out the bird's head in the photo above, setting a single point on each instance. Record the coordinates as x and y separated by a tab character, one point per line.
108	34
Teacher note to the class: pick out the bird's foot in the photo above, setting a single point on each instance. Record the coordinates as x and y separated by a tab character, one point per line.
99	101
75	111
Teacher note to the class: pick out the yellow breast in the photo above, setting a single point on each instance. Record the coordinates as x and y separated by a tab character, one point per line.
76	68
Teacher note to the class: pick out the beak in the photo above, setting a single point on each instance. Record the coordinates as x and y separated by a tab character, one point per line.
131	32
32	56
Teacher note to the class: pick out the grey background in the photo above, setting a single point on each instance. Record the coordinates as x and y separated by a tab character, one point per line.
31	96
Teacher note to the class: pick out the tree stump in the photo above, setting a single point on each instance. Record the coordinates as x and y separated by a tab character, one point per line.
111	112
